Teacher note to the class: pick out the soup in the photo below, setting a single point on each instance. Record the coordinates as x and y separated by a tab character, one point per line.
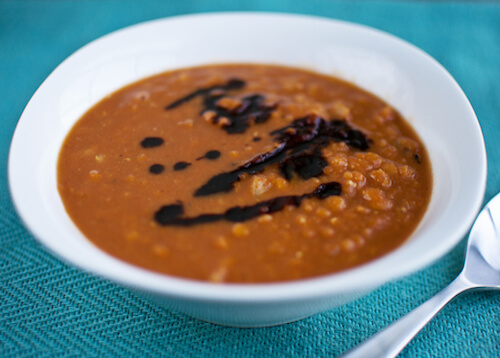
244	173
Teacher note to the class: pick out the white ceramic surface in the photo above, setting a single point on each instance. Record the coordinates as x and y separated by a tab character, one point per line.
421	89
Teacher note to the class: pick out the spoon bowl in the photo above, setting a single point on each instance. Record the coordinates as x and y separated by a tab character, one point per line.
481	270
482	262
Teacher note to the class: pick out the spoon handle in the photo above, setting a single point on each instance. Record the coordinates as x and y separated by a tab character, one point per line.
392	339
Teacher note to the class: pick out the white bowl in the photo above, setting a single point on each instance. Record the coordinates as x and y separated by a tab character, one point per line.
410	80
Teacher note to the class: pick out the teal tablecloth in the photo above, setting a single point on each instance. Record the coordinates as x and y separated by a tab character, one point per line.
49	309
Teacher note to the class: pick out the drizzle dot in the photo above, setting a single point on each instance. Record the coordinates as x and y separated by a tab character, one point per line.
256	139
156	169
181	165
150	142
212	154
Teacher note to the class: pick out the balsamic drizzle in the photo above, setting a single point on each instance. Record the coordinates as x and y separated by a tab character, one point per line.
156	169
171	215
298	150
181	165
211	155
150	142
237	120
232	84
233	120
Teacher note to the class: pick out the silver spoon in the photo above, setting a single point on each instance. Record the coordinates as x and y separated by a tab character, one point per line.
481	270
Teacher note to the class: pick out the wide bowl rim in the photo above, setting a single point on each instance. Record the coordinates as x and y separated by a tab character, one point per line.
346	281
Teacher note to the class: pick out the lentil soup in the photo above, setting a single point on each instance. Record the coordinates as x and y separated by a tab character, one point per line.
244	173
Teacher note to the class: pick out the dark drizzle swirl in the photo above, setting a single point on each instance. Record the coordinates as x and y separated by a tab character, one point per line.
231	85
237	120
232	120
170	215
298	150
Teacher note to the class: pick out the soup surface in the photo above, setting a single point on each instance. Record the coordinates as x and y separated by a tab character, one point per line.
244	173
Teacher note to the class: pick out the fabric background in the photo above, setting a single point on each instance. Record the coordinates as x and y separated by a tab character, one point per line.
48	308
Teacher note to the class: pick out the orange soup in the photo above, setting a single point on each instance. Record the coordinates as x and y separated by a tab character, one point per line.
244	173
